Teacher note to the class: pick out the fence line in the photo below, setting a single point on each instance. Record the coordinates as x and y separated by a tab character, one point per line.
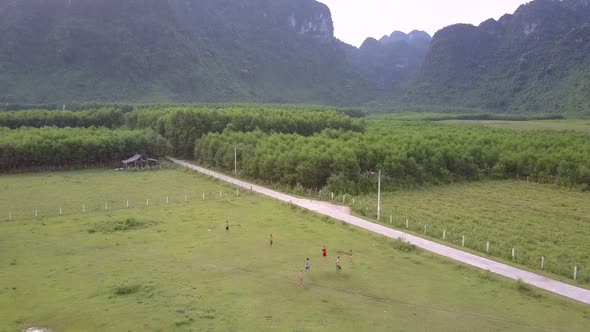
563	266
84	207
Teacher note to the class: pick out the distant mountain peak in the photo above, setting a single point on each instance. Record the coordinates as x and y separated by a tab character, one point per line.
398	36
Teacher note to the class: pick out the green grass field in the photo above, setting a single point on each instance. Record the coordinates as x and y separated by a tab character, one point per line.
582	125
535	219
159	268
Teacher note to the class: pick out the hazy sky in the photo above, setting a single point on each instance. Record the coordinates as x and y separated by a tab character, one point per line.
355	20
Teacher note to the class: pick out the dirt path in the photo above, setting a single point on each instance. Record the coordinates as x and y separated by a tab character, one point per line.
343	214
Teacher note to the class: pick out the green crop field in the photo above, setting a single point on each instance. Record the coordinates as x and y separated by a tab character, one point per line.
166	267
536	219
582	125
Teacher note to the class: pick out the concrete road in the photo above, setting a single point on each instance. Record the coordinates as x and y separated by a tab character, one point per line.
343	213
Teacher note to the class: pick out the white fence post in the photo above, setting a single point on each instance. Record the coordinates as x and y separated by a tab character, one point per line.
147	202
237	192
221	194
167	200
332	196
391	220
127	203
36	213
513	253
575	272
463	241
444	235
353	201
203	196
424	229
488	247
407	223
542	262
185	197
60	211
83	208
9	216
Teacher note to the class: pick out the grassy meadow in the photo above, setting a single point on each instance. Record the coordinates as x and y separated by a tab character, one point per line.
174	268
535	219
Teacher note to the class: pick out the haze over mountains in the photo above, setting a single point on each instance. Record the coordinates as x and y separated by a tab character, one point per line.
285	51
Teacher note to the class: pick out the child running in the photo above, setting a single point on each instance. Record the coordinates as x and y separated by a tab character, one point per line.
227	226
324	253
271	242
338	266
307	265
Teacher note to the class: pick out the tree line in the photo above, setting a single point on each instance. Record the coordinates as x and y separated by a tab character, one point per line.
102	117
180	126
183	126
71	147
408	154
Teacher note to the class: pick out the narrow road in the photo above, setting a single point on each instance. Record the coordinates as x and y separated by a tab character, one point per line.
343	214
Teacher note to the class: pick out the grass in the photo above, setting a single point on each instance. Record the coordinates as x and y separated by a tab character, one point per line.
48	192
537	220
582	125
184	272
111	226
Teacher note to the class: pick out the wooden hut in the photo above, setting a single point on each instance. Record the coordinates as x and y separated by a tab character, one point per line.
139	161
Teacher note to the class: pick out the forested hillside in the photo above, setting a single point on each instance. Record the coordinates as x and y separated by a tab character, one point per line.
535	60
195	50
284	51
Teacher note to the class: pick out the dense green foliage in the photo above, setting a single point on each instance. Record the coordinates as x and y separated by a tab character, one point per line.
408	154
182	126
535	60
71	147
103	117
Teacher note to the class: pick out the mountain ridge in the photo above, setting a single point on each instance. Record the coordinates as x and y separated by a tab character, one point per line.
534	60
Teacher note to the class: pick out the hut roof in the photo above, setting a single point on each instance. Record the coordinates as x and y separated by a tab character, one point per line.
132	159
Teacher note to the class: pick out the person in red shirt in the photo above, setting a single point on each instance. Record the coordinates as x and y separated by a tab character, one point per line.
324	252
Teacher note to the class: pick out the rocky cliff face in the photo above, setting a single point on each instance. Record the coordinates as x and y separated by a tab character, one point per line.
537	59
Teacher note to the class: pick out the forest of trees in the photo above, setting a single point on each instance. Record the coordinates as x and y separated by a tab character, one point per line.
27	148
101	117
408	154
55	138
313	147
182	126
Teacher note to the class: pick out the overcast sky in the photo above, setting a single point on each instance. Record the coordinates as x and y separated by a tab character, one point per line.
355	20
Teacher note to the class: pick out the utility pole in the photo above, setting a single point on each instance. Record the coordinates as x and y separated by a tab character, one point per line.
379	197
235	160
